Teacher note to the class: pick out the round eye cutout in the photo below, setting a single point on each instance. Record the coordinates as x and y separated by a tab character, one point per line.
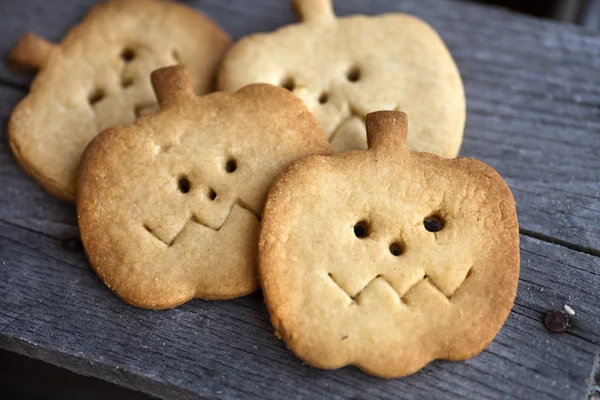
353	74
434	223
231	165
323	98
184	184
361	229
396	249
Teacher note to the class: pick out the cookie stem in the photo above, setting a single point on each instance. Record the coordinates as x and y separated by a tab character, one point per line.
31	52
387	130
170	83
313	10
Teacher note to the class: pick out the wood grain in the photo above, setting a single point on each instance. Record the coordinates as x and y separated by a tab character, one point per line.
533	96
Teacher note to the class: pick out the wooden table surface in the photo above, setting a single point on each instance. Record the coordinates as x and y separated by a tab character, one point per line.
533	94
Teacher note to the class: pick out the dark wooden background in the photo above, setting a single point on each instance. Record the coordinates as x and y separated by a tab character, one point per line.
533	95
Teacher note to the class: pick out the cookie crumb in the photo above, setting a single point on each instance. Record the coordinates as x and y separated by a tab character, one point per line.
569	310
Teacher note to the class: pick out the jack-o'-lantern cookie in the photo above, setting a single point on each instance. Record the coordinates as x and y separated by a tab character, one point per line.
344	68
169	207
99	76
386	258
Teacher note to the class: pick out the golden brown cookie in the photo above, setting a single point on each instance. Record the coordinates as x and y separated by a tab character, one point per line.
98	77
344	68
169	207
388	259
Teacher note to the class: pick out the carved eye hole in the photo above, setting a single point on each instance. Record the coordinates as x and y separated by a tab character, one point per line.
231	165
288	83
96	96
361	229
184	184
127	55
353	74
433	223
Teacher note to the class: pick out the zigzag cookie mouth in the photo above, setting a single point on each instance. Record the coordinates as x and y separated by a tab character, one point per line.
355	298
193	219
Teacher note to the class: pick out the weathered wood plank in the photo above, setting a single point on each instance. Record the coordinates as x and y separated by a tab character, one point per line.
54	308
532	94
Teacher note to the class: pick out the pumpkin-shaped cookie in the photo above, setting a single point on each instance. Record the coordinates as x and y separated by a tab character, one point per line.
344	68
169	207
99	76
386	258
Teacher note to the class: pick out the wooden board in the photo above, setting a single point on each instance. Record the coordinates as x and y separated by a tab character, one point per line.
55	309
533	95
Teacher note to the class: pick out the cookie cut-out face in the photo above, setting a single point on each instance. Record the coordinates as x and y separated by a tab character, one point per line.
169	207
344	68
98	77
388	259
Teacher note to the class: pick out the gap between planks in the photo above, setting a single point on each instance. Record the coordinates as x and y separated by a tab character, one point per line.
559	242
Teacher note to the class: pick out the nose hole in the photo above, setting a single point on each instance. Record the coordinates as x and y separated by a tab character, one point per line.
353	74
184	184
396	249
211	194
127	55
361	229
231	165
288	83
323	98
